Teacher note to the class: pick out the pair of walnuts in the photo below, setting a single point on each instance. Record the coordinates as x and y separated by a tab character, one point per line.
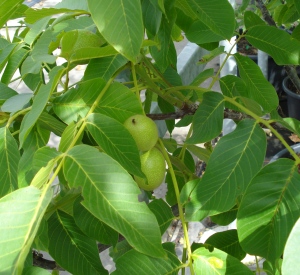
145	134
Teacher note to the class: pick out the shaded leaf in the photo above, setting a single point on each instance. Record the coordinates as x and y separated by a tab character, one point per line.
111	195
208	119
71	248
144	264
228	242
8	8
269	209
163	214
16	103
258	88
93	227
9	161
20	213
51	123
121	26
237	157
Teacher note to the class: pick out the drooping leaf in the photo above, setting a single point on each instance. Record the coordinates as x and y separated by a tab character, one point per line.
49	122
258	88
6	50
277	43
116	141
163	214
93	227
217	15
228	242
71	248
121	26
111	195
290	256
13	64
208	119
39	103
20	213
144	264
217	263
269	209
9	161
237	157
6	93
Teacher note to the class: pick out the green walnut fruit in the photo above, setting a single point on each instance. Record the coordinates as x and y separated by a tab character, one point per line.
154	167
143	130
78	39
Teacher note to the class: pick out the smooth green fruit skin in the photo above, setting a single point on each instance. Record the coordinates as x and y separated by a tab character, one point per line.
154	167
143	131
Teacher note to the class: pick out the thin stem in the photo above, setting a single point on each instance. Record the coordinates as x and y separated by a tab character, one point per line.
257	265
183	149
180	207
13	117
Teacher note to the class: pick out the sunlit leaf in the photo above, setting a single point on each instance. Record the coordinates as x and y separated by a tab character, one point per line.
20	213
111	195
237	157
269	209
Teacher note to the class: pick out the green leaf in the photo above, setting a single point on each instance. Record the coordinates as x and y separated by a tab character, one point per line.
277	43
121	24
42	176
200	33
68	137
5	53
39	103
50	123
111	195
13	65
36	138
8	8
152	16
6	93
258	88
16	103
118	102
20	213
208	119
33	15
290	256
200	78
228	242
9	160
83	55
217	15
93	227
217	263
210	56
144	264
165	54
201	153
251	19
237	157
34	270
104	67
71	248
225	218
116	141
269	209
163	214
